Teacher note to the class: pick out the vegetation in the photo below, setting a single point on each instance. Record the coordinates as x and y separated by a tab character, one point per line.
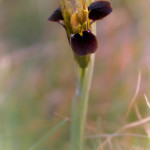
37	78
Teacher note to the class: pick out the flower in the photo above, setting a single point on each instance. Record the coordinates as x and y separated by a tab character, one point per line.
77	21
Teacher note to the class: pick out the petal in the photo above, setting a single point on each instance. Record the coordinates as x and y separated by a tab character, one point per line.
56	16
84	44
99	10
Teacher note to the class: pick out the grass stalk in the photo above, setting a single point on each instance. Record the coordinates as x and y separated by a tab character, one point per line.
49	134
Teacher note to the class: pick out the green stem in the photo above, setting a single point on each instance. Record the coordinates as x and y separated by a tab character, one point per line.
80	104
80	101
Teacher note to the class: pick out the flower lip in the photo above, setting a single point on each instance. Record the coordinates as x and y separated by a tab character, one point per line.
99	9
56	16
84	44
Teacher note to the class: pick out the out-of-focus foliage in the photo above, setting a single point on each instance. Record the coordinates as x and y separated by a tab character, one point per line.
37	75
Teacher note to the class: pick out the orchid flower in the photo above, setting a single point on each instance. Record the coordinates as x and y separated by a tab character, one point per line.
77	20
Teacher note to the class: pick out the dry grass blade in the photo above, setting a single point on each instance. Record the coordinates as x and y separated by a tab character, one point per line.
110	136
110	144
135	95
140	118
147	101
136	124
127	126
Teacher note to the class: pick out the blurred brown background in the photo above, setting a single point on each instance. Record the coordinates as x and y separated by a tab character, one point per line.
37	75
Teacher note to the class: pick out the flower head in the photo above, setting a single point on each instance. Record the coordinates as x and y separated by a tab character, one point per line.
77	20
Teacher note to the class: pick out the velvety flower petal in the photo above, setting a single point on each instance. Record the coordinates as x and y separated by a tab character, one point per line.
84	44
56	16
99	10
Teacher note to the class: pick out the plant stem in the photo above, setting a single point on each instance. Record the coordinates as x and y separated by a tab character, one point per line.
80	103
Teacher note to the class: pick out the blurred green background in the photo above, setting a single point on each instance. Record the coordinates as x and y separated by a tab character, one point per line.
37	74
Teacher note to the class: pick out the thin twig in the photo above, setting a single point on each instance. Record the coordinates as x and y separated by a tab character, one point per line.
136	124
128	126
140	118
147	101
135	95
110	144
110	136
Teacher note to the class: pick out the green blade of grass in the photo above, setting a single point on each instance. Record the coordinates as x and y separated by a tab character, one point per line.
146	145
44	138
96	144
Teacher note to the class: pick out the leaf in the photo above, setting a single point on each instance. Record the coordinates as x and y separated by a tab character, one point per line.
44	138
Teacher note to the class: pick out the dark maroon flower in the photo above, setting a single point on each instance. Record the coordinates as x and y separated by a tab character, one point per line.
85	44
56	16
99	10
78	24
